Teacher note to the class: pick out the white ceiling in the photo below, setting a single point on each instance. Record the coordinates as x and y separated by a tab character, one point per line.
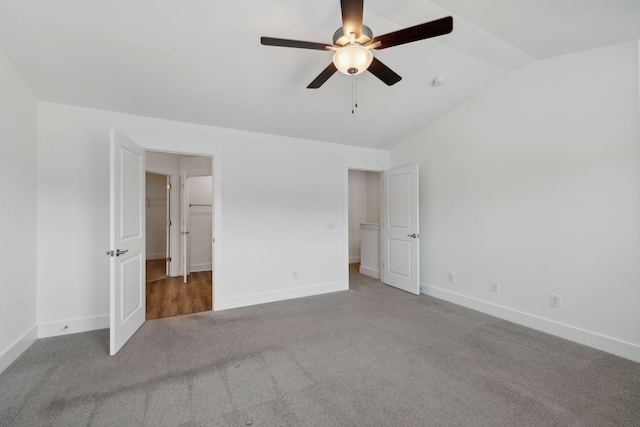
202	62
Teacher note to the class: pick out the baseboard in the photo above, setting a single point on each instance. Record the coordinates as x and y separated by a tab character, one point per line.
156	256
591	339
200	267
370	272
18	347
285	294
354	259
72	326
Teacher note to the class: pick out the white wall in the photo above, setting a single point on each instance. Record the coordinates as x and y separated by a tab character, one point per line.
535	182
200	222
373	197
275	200
156	216
18	192
196	165
162	163
364	206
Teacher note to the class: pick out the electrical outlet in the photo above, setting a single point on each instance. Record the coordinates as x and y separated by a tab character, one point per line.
294	274
495	286
451	277
555	300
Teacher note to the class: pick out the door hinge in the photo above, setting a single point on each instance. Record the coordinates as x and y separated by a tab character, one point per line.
168	259
170	223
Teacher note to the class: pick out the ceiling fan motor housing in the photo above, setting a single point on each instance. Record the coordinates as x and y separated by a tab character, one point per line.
341	39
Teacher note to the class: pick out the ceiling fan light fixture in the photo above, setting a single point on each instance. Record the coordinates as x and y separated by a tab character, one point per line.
352	59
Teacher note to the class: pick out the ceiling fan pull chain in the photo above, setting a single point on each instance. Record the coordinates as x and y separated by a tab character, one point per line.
353	83
356	85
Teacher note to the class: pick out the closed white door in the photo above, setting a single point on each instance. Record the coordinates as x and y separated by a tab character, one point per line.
400	233
127	253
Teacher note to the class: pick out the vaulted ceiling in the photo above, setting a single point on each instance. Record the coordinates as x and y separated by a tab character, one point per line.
202	62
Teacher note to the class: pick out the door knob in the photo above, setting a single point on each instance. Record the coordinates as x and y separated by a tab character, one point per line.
414	235
119	252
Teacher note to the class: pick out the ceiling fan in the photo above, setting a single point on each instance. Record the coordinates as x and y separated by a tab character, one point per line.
353	42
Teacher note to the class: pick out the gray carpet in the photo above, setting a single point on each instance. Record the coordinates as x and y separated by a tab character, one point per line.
372	356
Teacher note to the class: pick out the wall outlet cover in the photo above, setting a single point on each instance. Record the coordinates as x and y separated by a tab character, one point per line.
495	286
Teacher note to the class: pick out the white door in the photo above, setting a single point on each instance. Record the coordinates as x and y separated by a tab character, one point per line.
185	226
400	233
127	252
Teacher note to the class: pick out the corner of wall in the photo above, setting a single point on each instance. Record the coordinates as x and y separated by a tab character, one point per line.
18	165
17	348
72	326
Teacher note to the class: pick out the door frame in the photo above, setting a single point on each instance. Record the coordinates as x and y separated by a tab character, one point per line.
216	217
346	167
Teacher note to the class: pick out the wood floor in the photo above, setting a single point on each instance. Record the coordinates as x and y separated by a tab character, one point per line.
171	297
354	268
156	269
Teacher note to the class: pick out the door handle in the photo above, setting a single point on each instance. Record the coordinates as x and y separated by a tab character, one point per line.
119	252
414	235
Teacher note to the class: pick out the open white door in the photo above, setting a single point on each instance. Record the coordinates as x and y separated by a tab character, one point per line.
400	233
185	226
128	305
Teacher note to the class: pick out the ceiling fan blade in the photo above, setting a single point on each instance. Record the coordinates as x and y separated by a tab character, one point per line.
271	41
384	73
323	77
412	34
352	16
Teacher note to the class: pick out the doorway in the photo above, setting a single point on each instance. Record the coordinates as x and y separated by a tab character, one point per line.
364	222
397	261
184	285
